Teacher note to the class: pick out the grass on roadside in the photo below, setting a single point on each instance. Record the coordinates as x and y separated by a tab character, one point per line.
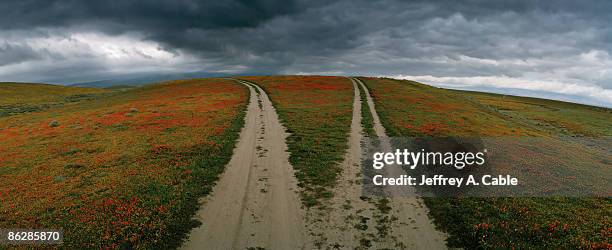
367	122
409	108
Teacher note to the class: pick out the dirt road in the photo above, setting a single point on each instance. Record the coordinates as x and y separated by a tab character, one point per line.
254	204
412	228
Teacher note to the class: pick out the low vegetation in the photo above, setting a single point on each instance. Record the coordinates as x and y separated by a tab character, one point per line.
317	111
122	171
20	98
408	108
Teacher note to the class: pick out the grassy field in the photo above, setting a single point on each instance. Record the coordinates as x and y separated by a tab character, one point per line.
317	111
120	171
20	98
412	109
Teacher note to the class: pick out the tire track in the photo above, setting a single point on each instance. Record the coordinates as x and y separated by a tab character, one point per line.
254	204
411	227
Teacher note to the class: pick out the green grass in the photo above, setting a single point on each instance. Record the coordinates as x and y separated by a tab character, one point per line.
524	223
408	108
549	116
20	98
317	112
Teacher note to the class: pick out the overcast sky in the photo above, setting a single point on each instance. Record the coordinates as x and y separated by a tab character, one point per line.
556	49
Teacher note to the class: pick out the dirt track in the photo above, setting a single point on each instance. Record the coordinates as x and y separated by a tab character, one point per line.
350	220
255	203
412	229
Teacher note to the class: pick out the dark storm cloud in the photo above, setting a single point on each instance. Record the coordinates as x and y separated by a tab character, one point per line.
561	46
153	16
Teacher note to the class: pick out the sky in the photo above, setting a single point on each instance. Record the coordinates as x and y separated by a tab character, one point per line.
550	49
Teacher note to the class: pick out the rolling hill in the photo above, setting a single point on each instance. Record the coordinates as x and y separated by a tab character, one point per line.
412	109
121	169
125	168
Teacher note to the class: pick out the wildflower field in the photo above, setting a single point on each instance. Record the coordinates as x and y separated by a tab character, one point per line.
317	111
121	170
408	108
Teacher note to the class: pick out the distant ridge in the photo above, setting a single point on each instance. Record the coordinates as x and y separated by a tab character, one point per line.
144	79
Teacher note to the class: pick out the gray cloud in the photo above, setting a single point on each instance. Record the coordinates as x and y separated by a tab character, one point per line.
459	43
15	53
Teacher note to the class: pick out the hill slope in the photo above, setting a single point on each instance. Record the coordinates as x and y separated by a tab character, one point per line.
29	97
412	109
123	170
